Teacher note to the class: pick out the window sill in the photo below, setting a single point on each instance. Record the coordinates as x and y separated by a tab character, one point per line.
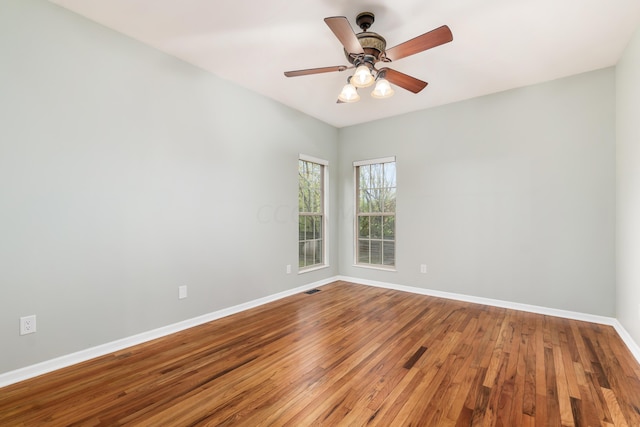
315	268
376	267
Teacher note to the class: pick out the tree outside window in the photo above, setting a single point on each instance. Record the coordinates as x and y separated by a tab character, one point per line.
311	217
376	213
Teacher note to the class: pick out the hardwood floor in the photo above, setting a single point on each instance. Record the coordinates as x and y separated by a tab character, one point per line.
350	355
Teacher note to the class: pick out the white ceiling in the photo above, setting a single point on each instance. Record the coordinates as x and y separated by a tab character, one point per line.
497	44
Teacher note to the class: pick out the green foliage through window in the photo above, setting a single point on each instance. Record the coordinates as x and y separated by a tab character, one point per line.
310	214
376	213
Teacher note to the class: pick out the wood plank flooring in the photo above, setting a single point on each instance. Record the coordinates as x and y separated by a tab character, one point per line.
350	355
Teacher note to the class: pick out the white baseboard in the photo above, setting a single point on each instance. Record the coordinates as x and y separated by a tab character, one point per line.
603	320
27	372
628	340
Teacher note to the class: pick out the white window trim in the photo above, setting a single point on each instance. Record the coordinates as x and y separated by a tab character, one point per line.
325	214
355	215
313	268
312	159
374	161
375	267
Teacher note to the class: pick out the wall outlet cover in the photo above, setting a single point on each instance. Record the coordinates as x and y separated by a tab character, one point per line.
27	324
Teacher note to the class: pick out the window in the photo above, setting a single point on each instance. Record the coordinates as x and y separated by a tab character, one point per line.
376	212
312	176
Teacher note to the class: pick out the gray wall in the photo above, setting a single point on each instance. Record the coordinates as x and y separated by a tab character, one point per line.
628	186
509	196
125	173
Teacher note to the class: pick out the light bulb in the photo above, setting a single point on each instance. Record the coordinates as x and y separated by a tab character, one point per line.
349	94
382	90
362	77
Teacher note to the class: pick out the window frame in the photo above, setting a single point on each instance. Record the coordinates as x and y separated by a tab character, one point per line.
356	214
324	212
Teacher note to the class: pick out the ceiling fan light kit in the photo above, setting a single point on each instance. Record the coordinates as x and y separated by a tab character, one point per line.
362	77
382	90
365	49
349	93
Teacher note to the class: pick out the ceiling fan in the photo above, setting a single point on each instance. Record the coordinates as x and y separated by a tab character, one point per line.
364	50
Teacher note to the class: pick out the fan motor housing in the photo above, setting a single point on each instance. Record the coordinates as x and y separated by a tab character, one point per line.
372	43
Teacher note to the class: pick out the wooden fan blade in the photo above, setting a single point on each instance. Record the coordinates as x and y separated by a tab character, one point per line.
343	31
421	43
315	71
403	80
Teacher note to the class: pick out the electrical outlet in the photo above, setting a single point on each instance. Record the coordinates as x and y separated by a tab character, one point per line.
182	291
27	324
288	268
423	268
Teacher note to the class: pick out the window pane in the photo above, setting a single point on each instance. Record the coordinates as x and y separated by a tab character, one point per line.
376	227
376	201
309	201
303	186
388	196
377	176
303	198
315	173
317	234
309	228
309	253
364	175
363	251
376	252
389	253
309	187
301	254
390	174
364	227
365	201
389	227
302	220
317	201
318	252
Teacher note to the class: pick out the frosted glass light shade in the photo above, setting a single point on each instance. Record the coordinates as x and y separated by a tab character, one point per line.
382	90
349	94
362	77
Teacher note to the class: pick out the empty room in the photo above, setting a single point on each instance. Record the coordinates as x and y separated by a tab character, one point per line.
319	213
